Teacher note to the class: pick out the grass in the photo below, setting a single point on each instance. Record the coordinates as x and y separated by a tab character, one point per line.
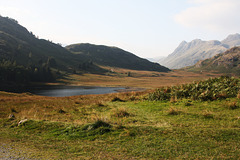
138	79
120	125
174	111
120	113
97	128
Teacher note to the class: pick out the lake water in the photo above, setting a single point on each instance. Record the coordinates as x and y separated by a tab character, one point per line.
65	91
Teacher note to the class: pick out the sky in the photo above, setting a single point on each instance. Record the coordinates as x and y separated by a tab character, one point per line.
147	28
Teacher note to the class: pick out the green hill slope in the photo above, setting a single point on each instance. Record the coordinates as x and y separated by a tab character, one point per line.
227	62
114	57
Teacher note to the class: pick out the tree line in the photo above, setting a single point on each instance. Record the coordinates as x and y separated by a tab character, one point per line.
10	71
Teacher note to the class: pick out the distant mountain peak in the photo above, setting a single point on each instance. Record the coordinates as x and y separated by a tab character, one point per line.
182	43
187	54
232	40
231	37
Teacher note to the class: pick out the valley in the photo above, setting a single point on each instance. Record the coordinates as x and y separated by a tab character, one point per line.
130	125
158	113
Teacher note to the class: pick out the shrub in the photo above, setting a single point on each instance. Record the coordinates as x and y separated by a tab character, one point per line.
211	89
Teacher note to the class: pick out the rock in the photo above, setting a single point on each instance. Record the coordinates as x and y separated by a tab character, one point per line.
22	121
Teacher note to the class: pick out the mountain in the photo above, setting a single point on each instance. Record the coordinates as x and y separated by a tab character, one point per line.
188	54
113	57
227	62
232	40
19	45
26	58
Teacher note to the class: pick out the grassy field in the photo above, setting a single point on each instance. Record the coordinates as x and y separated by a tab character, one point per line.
139	79
119	126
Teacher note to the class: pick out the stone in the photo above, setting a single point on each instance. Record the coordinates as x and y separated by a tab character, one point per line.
22	121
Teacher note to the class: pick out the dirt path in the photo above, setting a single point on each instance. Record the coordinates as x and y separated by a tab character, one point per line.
8	152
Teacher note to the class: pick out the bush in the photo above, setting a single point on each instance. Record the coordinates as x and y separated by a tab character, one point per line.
211	89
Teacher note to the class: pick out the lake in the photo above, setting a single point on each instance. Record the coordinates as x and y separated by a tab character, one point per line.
65	91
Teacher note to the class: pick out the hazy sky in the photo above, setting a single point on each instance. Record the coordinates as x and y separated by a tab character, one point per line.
147	28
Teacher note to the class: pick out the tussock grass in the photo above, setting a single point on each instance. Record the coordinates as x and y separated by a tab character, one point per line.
208	114
238	95
233	105
174	111
117	99
61	111
120	113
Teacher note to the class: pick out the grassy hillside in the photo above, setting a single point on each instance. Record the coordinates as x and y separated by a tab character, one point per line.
227	62
121	126
114	57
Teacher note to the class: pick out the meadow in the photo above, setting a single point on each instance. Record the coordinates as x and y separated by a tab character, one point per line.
131	125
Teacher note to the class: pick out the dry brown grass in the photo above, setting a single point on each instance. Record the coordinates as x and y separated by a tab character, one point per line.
120	112
232	105
174	111
139	79
208	114
76	109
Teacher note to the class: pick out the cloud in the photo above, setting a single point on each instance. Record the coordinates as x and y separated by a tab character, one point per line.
211	15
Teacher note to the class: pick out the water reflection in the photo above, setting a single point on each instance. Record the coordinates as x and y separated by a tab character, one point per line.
64	91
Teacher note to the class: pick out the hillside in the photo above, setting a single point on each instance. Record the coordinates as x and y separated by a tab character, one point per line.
188	54
113	57
227	62
20	45
25	58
